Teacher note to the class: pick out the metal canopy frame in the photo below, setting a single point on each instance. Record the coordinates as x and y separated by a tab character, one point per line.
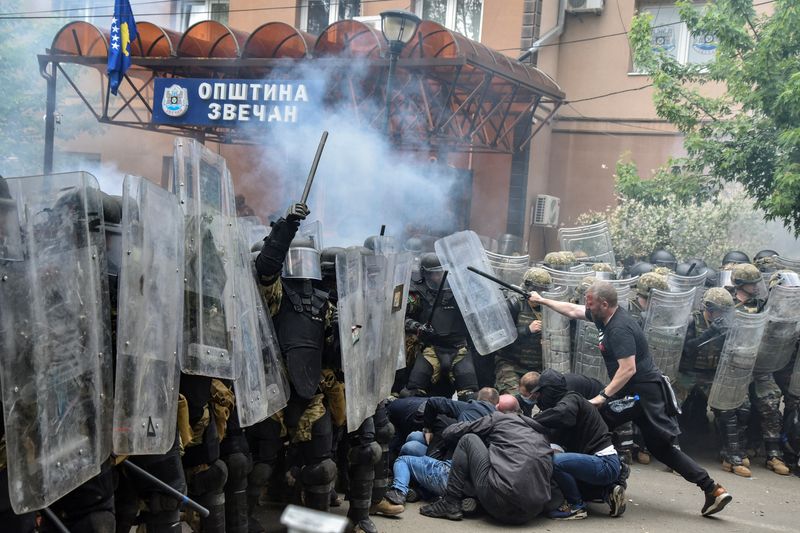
466	103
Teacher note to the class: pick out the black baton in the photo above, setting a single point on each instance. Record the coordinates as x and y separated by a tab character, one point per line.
54	519
509	286
314	165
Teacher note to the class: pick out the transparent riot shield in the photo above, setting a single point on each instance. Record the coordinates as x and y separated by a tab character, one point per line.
361	281
55	359
588	359
789	264
251	386
150	319
684	283
481	302
556	341
782	329
665	324
590	244
204	187
509	268
569	280
398	268
254	229
277	382
735	368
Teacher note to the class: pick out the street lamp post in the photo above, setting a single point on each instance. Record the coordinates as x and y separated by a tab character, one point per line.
398	28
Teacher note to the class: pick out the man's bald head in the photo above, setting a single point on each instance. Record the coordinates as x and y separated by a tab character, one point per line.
508	404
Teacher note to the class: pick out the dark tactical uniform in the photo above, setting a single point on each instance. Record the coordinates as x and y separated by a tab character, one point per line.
443	354
299	312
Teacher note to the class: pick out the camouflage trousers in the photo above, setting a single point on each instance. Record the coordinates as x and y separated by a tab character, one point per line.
687	381
507	376
766	402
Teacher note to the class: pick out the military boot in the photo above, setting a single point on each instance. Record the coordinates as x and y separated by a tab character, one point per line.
777	465
736	465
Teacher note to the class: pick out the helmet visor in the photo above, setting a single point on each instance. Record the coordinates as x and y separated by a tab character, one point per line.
433	278
302	263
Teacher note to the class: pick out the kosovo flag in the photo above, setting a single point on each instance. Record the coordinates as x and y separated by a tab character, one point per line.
123	32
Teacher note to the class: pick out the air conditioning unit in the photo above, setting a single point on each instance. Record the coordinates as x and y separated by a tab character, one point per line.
545	211
578	7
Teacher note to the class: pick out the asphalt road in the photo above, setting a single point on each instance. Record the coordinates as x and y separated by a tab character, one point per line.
658	501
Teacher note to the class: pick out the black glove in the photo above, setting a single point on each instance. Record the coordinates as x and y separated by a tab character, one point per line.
297	212
425	332
721	325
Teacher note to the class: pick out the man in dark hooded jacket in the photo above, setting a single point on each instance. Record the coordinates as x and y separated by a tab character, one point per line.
504	461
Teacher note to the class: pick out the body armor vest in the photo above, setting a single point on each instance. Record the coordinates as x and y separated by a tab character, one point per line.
300	326
526	351
451	331
708	355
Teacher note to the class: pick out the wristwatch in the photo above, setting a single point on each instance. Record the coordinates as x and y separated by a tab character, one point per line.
603	394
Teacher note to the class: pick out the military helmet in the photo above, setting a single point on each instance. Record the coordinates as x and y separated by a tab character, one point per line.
662	271
370	241
735	257
767	264
413	244
602	267
691	267
663	258
429	261
717	298
745	273
328	257
640	268
764	253
583	286
536	279
649	281
786	278
559	260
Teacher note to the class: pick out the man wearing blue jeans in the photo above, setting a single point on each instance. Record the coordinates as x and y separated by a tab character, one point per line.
428	473
589	458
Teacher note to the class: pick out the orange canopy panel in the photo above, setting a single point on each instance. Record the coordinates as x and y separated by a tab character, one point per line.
210	38
80	39
278	39
350	38
154	41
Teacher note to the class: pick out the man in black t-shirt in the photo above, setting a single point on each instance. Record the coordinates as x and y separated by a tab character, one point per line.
633	372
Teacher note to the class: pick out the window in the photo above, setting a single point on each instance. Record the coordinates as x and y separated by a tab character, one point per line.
673	37
194	11
463	16
316	15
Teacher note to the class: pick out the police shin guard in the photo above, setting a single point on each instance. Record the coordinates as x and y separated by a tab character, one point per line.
256	483
208	487
236	516
361	469
465	379
623	441
163	515
317	480
384	431
728	428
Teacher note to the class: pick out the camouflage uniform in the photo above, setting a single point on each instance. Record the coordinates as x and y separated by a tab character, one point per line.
647	282
524	354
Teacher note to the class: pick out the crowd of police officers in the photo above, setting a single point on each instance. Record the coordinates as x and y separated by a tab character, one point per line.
305	451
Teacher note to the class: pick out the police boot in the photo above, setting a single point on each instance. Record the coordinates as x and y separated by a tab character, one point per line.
256	483
236	493
317	480
775	457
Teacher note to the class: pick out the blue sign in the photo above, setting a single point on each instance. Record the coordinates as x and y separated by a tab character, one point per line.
232	103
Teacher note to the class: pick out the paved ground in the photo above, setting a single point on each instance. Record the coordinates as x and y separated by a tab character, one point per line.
658	501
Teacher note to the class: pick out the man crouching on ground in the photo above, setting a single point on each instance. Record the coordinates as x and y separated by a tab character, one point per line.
504	461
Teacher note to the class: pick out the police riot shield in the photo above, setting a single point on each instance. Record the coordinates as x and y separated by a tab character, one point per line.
570	280
276	379
56	354
509	268
204	187
398	269
482	304
149	322
251	386
588	359
556	341
254	229
684	283
789	264
782	330
735	368
590	244
361	280
665	324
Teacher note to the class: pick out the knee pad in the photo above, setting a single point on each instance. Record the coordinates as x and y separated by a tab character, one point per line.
384	434
321	473
368	454
363	435
209	481
260	475
239	466
160	503
421	375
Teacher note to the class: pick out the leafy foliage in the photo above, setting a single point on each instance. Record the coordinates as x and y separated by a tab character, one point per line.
751	133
